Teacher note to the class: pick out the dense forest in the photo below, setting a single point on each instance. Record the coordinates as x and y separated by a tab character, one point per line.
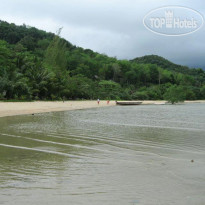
36	65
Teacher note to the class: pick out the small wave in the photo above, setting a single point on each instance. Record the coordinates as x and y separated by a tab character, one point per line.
40	150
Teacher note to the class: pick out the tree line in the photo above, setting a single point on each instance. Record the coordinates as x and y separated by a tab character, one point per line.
36	65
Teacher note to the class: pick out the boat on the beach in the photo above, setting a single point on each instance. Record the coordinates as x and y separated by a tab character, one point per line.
128	103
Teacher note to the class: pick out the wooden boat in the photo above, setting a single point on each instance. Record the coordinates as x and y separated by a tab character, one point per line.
128	103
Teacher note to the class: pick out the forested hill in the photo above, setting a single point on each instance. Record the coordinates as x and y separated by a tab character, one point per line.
166	64
36	65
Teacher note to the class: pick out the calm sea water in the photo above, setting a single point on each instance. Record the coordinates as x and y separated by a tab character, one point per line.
134	155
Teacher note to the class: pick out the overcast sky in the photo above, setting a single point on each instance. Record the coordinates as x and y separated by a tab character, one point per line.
112	27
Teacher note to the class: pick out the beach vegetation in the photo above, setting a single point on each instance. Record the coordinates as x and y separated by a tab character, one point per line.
36	65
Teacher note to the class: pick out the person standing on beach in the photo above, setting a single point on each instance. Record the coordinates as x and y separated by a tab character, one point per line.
98	101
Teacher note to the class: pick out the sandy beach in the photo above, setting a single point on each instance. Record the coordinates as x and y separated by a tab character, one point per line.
23	108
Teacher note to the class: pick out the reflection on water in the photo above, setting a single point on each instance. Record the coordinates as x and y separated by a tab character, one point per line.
117	155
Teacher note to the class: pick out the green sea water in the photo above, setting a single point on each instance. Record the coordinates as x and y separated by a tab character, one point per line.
150	155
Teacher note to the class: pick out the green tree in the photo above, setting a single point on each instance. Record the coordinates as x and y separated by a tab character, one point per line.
55	56
109	90
202	92
175	94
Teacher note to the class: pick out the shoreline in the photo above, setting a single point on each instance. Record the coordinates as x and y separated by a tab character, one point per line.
36	107
27	108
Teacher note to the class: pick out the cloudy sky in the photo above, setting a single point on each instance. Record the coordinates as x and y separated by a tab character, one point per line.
112	27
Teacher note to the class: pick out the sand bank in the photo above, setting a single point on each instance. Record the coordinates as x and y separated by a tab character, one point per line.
23	108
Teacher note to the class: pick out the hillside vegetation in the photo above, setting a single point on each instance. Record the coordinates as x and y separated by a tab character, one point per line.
36	65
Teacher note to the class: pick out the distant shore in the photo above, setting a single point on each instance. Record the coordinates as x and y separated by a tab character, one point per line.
23	108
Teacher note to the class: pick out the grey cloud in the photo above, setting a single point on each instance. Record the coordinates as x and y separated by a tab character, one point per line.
113	27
